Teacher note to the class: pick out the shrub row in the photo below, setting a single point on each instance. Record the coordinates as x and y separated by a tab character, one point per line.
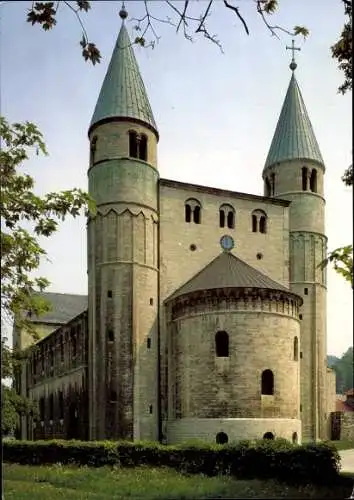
316	463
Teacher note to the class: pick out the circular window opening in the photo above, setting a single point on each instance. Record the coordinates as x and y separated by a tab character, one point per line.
268	435
193	247
259	256
295	438
222	438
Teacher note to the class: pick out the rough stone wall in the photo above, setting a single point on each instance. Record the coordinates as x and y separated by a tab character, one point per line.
331	398
308	246
347	426
261	336
58	364
206	429
123	287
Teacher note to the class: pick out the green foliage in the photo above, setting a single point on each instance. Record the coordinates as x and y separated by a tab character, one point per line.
259	459
348	176
343	49
12	407
344	368
20	248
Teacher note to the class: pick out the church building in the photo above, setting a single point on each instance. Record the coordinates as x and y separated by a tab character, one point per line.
205	317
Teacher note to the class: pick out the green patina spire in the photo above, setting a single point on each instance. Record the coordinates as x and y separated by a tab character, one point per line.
294	137
123	93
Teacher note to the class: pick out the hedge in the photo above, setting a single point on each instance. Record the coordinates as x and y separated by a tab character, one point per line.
279	459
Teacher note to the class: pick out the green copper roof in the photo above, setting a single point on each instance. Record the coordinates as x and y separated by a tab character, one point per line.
227	271
294	137
123	93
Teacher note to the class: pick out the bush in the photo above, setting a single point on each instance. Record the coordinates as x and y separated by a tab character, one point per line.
279	459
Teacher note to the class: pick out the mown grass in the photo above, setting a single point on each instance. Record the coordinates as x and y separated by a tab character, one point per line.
84	483
343	445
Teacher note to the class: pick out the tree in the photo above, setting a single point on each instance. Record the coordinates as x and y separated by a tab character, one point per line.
343	49
344	372
45	14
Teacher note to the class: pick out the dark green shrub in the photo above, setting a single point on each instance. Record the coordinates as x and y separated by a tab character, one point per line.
315	463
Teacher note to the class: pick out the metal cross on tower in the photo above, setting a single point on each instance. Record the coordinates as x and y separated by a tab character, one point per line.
293	64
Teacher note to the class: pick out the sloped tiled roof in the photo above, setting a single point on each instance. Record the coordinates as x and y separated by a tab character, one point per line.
64	307
227	271
343	406
123	92
294	137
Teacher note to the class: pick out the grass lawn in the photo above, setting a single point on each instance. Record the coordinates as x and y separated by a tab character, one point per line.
343	445
81	483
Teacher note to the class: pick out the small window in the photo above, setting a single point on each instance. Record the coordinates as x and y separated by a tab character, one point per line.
313	180
221	218
300	354
133	144
222	438
150	409
196	215
259	256
304	173
231	220
188	213
300	316
300	408
93	147
192	247
151	301
296	349
273	183
268	189
222	344
262	224
306	291
268	435
267	385
51	407
148	343
143	147
110	335
61	404
41	409
113	396
254	223
294	438
109	294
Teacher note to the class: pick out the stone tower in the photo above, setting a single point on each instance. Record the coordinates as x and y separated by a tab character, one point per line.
123	255
294	170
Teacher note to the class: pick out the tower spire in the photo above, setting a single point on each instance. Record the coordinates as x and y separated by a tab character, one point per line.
293	64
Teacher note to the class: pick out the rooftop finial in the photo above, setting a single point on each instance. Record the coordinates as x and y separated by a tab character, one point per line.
293	64
123	14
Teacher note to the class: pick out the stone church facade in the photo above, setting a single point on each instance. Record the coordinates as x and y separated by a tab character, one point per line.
206	309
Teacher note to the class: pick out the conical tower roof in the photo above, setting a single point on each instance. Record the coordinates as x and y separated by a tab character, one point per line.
123	93
294	137
228	271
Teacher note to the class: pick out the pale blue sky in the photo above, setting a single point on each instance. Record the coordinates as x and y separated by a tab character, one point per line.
216	112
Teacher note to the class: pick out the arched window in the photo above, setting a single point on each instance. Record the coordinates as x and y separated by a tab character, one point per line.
268	188
143	147
93	147
227	216
222	217
267	387
51	407
188	212
268	435
304	172
294	438
222	438
259	221
273	183
133	144
262	224
222	344
196	215
313	180
296	348
231	220
254	223
193	211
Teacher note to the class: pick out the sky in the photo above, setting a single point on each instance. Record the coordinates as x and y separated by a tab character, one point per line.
216	112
